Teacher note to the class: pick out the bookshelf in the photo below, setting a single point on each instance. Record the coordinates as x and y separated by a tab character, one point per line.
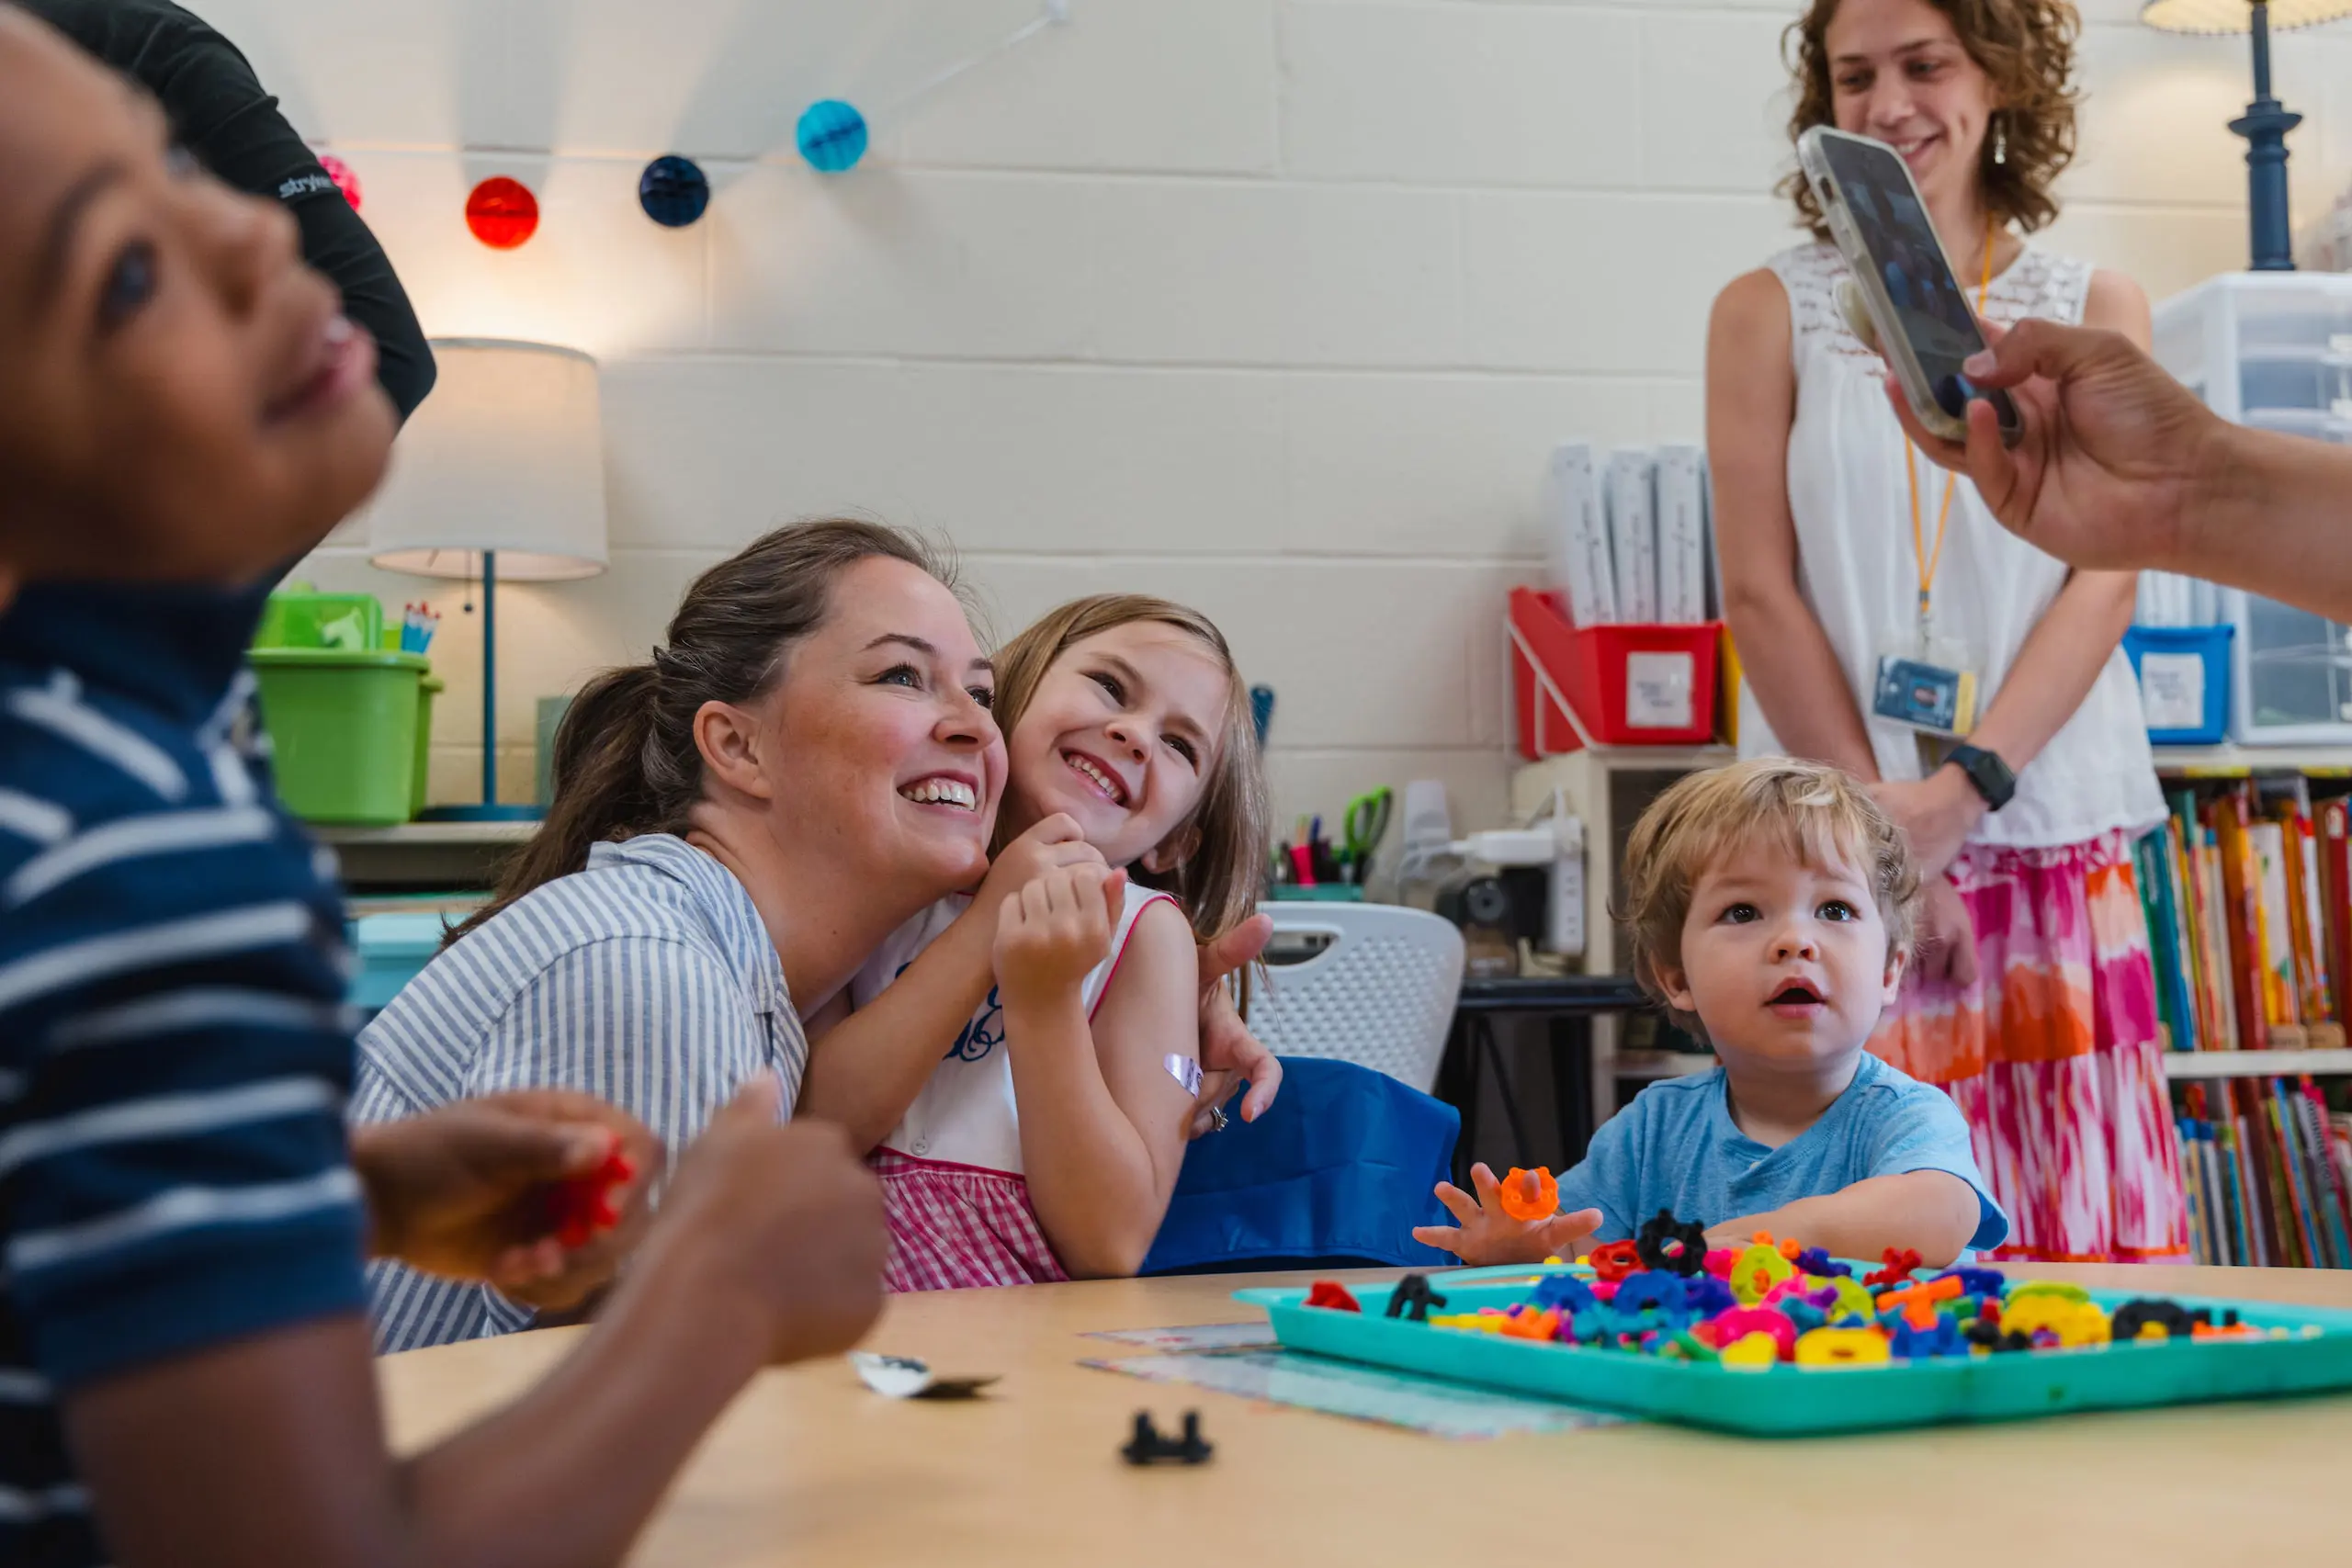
2227	762
2185	1065
419	856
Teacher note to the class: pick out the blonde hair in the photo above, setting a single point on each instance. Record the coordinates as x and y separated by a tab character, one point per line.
2025	46
1218	883
1817	814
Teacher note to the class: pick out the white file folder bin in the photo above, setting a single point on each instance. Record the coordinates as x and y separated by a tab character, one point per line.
2273	350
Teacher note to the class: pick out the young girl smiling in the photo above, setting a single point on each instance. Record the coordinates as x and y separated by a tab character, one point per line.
1046	1141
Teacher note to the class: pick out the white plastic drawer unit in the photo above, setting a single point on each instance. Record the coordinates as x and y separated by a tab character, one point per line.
2273	350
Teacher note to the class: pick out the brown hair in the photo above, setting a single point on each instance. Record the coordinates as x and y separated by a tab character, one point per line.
2027	47
626	761
1817	814
1218	883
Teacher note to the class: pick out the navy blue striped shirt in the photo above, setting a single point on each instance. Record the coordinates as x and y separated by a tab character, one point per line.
648	980
175	1052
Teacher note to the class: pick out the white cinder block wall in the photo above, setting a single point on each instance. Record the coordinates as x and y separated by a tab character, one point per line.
1272	306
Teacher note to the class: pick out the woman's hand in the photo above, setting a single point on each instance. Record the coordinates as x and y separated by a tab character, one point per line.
1935	813
2114	451
1054	932
468	1191
1947	936
1487	1236
1229	1053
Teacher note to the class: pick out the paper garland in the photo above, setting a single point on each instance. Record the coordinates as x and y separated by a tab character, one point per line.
502	213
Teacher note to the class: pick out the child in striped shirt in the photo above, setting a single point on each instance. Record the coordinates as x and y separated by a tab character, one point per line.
185	1374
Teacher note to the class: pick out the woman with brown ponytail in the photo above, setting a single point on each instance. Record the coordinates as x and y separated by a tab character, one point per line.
739	824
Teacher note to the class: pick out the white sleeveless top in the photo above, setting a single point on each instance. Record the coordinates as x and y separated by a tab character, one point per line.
1859	570
966	1113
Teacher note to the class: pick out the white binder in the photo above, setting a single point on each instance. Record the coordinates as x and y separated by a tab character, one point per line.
1577	535
1633	535
1681	536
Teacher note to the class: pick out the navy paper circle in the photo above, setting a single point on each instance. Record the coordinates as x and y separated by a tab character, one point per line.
832	136
674	191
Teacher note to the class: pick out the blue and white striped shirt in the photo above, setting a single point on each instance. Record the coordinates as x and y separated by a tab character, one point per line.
646	980
174	1047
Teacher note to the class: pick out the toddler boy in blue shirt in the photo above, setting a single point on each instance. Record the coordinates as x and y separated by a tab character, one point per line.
1770	909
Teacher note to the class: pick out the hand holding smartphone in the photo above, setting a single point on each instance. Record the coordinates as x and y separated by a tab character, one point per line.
1923	325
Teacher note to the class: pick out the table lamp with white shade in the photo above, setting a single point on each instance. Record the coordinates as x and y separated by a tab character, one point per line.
2266	122
499	474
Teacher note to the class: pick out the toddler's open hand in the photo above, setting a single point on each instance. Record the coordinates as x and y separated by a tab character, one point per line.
1057	929
1487	1236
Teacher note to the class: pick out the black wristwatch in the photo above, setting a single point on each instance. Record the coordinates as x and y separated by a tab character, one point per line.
1987	773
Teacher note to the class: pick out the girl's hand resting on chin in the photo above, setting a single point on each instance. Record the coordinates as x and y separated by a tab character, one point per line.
1052	844
1487	1236
1056	931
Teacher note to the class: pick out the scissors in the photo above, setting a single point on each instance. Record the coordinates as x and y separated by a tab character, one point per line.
1363	827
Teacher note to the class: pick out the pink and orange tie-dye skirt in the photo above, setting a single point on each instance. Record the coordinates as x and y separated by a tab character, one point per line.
2053	1056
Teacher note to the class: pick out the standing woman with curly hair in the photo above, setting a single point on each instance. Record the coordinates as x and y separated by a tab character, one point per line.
2034	1001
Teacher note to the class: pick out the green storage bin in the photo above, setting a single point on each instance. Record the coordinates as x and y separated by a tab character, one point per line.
427	689
343	729
299	616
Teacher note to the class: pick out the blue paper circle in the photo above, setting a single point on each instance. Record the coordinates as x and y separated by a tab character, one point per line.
674	191
832	136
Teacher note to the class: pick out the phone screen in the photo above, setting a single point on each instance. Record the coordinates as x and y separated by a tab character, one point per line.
1901	242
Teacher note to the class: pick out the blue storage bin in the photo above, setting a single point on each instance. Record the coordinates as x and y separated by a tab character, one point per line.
2183	672
387	951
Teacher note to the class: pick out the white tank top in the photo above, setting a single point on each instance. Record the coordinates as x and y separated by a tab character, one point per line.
966	1113
1859	570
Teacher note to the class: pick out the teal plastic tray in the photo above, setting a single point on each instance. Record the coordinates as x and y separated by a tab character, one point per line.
1787	1400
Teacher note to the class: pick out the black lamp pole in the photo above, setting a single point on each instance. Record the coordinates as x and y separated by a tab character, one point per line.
2265	126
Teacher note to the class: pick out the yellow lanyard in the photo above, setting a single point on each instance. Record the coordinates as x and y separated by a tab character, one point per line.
1930	562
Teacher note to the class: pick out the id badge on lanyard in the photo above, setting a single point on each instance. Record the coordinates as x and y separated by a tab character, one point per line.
1928	682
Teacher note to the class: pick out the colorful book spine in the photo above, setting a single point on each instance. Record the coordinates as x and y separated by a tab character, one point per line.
2172	1022
2335	1204
2303	1204
2336	879
2319	994
2280	995
2241	902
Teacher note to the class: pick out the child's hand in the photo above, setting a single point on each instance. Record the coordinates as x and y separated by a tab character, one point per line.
466	1191
1487	1236
1049	846
1057	929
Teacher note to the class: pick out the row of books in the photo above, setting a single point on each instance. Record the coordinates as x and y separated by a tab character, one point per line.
1628	535
2268	1170
2248	893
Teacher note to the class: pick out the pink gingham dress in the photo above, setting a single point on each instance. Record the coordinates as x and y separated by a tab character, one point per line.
951	1170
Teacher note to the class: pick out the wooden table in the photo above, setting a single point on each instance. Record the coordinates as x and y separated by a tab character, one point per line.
809	1469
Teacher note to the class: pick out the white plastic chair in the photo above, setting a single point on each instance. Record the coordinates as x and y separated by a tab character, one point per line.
1381	992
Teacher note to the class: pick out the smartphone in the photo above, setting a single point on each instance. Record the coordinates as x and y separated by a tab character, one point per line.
1925	326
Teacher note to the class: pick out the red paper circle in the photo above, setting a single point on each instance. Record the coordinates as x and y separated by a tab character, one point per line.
344	180
502	213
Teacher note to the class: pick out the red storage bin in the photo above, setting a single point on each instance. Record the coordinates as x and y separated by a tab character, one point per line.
1632	685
